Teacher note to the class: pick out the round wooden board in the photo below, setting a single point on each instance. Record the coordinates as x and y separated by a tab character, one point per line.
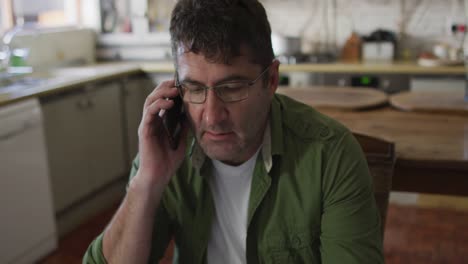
344	98
431	101
4	96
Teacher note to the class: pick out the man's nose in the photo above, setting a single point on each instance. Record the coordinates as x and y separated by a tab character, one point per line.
215	111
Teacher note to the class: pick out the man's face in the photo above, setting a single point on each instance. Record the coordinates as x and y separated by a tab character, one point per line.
230	132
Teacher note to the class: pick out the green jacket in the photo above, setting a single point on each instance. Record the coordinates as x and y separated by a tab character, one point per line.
311	198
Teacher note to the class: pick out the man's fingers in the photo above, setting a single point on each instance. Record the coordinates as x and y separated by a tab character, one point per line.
165	89
163	85
150	117
156	107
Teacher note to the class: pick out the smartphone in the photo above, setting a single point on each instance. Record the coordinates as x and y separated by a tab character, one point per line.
172	122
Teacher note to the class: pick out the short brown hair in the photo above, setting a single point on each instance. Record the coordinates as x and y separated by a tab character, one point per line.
218	28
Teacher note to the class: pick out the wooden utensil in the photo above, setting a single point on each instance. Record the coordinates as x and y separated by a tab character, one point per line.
431	101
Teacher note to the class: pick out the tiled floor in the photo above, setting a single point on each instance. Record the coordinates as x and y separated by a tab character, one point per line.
416	235
413	235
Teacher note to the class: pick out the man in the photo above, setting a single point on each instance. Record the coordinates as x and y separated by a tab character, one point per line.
258	177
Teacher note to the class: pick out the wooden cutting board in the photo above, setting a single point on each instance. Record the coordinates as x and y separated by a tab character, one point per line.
431	101
344	98
4	96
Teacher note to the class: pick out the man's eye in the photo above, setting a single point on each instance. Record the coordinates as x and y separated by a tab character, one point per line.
194	88
232	86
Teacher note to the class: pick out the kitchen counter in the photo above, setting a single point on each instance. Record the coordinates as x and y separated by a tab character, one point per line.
338	67
394	68
67	78
59	80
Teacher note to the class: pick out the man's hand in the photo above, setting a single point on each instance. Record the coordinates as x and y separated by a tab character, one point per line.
158	162
127	239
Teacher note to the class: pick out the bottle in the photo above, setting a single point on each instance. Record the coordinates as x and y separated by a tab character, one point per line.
351	51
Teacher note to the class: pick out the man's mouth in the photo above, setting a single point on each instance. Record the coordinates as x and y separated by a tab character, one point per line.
217	136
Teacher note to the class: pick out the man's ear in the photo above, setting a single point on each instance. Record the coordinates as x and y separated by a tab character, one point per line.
274	76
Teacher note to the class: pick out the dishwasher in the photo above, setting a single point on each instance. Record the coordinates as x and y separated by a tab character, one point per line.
27	221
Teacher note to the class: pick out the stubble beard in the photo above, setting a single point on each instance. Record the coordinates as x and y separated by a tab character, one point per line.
226	151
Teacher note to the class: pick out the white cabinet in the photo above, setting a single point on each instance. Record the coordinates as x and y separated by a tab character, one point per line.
28	230
85	141
105	135
91	135
134	94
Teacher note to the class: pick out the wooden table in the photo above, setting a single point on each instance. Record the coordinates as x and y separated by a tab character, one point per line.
432	149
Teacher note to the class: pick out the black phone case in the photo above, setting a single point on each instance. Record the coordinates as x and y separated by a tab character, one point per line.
172	122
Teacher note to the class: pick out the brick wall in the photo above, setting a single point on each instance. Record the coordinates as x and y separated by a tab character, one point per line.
325	24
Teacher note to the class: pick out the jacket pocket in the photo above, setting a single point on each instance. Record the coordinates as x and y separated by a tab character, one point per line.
294	247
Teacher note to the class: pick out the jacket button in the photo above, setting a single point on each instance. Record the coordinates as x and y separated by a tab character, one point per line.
296	241
325	132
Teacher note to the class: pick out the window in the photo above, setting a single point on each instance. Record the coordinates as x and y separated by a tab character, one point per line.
5	15
43	13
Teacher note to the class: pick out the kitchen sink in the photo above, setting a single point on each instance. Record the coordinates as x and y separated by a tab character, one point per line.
14	82
25	82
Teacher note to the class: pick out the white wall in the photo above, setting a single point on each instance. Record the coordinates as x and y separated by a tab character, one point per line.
1	22
320	23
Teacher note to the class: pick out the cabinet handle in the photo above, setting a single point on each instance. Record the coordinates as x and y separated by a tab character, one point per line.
84	104
81	104
90	103
125	92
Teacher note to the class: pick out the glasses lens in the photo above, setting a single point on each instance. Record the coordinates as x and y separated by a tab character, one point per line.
228	92
232	92
194	93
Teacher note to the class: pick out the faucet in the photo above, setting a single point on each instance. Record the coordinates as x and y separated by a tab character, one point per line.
6	41
7	52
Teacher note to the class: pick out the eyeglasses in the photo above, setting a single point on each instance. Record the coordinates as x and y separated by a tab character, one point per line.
233	91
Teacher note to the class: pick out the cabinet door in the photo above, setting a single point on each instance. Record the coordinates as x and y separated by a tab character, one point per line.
105	149
65	125
85	141
27	217
134	97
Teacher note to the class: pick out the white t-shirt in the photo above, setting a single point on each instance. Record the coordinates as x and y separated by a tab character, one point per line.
230	186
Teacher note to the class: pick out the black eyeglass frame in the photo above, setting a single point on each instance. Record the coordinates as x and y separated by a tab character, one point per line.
248	84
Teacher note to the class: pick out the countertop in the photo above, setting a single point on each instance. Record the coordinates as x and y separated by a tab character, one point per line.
68	78
394	68
62	79
338	67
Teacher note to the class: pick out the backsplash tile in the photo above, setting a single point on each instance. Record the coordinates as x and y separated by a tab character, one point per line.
60	47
